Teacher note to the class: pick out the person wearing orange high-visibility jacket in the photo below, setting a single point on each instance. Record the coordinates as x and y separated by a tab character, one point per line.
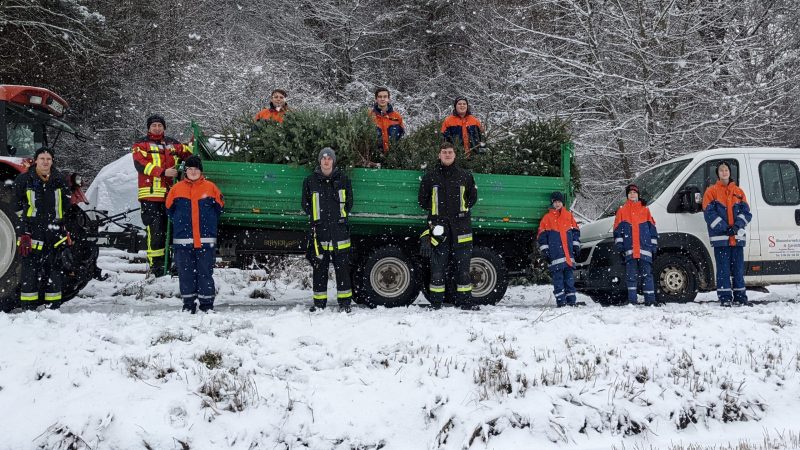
727	214
559	242
462	127
277	107
194	205
388	122
636	238
156	158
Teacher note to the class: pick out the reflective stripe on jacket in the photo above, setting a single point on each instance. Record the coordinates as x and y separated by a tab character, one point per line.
723	207
152	156
194	207
465	130
389	125
559	238
41	205
328	201
635	231
448	194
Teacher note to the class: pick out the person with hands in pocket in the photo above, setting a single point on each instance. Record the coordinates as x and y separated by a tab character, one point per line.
42	198
636	240
727	214
559	242
328	199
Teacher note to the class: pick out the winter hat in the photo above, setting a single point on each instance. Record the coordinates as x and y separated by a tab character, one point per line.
458	99
156	118
327	151
43	150
193	161
723	163
631	187
556	196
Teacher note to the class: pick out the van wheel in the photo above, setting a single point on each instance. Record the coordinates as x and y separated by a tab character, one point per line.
489	276
388	278
675	279
9	263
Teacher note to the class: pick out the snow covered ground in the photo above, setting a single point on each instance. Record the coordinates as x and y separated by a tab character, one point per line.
121	367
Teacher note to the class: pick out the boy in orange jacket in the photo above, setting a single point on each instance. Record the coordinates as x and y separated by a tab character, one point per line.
560	242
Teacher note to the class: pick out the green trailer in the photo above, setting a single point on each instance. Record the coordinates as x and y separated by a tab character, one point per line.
263	216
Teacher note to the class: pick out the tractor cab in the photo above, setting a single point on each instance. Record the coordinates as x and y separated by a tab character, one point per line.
30	118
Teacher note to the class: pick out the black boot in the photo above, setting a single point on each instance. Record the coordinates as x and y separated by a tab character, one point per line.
345	307
318	304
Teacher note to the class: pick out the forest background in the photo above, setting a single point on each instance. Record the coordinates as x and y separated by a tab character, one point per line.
639	81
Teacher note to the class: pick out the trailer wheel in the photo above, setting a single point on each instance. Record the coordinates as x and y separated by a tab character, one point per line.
489	276
388	278
80	265
9	263
675	279
608	298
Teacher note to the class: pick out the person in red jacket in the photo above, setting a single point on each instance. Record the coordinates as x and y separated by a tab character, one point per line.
388	122
559	242
462	127
636	239
156	158
727	213
277	107
194	205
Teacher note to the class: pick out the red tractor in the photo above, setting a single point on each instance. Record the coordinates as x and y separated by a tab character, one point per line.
30	118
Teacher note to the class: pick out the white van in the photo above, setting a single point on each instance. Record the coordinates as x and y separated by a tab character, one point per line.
684	265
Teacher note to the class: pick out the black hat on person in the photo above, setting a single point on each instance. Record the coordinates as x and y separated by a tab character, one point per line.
631	187
556	197
327	151
193	161
43	150
156	118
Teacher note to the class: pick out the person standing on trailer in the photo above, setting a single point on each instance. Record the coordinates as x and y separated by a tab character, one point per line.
277	107
41	197
636	239
448	193
194	205
388	122
156	158
727	214
560	243
461	127
328	199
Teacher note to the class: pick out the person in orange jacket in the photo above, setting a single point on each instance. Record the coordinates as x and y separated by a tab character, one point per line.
388	122
636	239
194	205
156	158
727	213
559	242
462	127
277	107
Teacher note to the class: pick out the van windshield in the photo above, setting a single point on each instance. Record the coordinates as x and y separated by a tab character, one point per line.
652	184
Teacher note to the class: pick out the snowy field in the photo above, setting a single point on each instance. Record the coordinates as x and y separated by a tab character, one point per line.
122	368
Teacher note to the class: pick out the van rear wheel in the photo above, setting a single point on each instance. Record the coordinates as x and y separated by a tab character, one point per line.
675	278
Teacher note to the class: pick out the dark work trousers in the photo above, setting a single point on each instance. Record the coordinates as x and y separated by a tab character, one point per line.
154	218
41	265
637	270
563	286
341	265
195	276
440	259
730	264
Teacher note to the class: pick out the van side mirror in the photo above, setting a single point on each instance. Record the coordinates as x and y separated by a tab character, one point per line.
690	200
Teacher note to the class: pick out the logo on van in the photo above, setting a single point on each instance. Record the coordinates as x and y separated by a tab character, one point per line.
771	240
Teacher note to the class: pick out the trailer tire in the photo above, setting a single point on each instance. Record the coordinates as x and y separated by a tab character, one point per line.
675	278
608	298
489	276
83	258
387	278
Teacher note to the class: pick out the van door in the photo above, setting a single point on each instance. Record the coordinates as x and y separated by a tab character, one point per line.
777	195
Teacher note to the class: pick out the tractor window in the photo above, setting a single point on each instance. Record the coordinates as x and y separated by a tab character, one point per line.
24	135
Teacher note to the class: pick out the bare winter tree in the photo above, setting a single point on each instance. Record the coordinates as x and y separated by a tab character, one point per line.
644	81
